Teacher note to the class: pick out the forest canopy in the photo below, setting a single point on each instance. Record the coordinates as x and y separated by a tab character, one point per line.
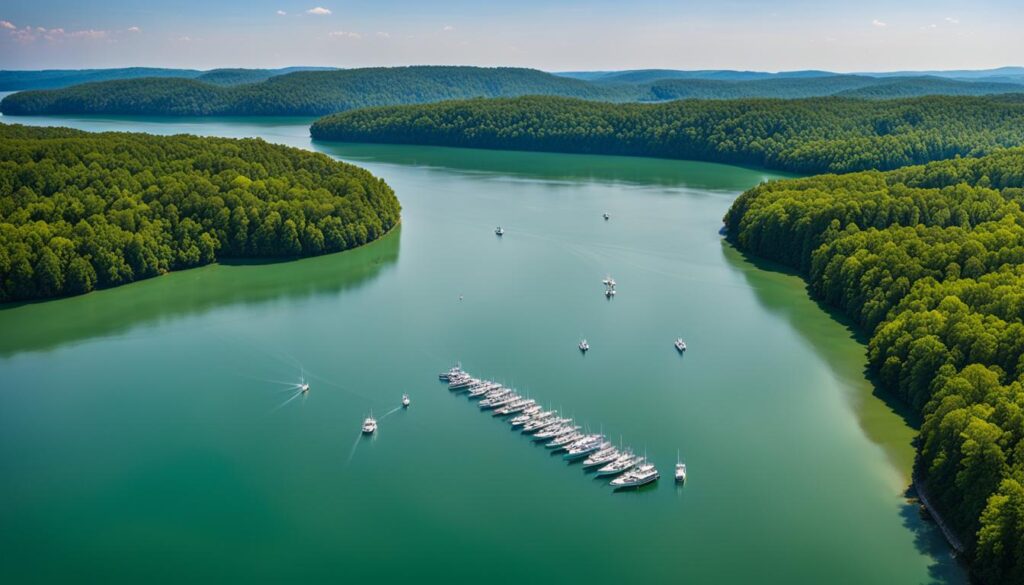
81	211
929	260
807	136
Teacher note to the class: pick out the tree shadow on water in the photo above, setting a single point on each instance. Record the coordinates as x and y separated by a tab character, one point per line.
47	325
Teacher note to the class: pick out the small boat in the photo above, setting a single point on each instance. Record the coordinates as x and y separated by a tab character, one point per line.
680	344
483	389
584	346
526	416
642	474
681	472
624	462
585	448
304	387
488	404
563	441
607	280
405	401
602	457
606	216
462	383
369	425
515	406
609	292
452	373
554	433
499	231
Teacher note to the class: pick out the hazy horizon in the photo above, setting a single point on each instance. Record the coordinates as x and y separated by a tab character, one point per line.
567	35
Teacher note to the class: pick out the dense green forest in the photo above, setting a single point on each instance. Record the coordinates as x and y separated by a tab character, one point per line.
239	92
302	93
813	135
929	260
81	211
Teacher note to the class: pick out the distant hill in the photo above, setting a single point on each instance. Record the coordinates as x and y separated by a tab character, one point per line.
274	92
304	93
57	78
1000	74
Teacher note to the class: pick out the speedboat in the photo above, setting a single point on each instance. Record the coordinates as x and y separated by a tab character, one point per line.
680	344
640	475
606	216
369	425
607	281
585	448
624	462
584	346
565	440
681	472
609	292
602	457
405	401
304	387
498	231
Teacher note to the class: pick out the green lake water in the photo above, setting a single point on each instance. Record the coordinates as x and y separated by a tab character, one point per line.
144	436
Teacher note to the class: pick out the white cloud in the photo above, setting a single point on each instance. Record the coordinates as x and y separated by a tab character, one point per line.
318	11
7	24
930	27
185	39
31	34
346	34
384	35
282	13
134	29
878	23
952	20
448	28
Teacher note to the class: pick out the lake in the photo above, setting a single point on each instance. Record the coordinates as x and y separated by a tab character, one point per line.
146	432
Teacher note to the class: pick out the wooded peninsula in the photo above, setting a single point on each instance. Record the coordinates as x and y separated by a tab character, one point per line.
82	211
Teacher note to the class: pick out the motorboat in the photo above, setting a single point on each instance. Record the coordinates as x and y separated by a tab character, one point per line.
681	472
405	401
680	344
369	425
642	474
515	406
456	370
556	432
606	216
499	231
584	346
526	416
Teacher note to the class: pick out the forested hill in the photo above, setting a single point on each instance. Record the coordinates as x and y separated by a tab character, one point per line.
813	135
269	93
929	260
302	93
80	211
56	78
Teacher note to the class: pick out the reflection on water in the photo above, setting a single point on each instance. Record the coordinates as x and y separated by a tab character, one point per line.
49	324
569	167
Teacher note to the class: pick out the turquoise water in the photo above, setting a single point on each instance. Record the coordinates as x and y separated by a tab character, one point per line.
144	435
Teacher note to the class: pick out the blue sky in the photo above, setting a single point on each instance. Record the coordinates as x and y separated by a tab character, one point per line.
554	35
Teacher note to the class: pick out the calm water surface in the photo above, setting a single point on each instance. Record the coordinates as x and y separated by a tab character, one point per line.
143	437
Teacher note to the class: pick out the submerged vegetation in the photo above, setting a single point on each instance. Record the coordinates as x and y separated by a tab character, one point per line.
812	135
929	260
80	211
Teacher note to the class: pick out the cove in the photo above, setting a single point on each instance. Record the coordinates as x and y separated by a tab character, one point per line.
142	437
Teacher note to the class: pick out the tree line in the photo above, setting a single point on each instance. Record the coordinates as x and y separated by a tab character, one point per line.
255	92
81	211
929	260
806	136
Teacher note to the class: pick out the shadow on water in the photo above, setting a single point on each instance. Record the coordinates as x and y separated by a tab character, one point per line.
47	325
887	421
928	539
556	166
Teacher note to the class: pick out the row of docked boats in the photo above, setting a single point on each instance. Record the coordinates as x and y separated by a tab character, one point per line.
555	432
